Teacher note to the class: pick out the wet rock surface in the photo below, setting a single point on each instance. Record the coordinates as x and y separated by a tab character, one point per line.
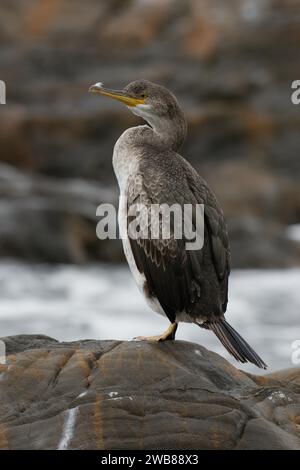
131	395
231	64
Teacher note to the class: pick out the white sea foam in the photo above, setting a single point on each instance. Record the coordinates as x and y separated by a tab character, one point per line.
69	303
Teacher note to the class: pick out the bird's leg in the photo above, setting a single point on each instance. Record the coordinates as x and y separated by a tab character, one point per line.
169	334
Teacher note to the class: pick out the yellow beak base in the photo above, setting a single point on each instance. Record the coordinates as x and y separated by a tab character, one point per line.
116	95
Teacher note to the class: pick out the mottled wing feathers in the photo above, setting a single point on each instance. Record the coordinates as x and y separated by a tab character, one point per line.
174	275
217	231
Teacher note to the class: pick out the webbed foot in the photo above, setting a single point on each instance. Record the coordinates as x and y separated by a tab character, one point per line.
168	335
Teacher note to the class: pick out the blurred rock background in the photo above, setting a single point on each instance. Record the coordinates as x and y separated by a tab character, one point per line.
230	63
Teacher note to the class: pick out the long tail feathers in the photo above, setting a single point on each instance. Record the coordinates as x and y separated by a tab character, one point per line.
234	343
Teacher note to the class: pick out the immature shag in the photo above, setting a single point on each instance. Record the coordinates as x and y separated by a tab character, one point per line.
183	285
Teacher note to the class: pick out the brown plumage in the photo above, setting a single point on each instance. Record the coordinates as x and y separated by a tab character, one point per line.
185	285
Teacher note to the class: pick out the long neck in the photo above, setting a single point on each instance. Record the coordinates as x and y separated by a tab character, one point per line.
170	133
166	132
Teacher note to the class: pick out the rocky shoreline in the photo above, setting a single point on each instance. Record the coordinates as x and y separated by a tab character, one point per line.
131	395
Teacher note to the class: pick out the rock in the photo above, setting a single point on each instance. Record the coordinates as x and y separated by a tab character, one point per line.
53	220
131	395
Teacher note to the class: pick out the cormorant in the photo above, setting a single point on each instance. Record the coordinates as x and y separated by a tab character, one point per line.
183	285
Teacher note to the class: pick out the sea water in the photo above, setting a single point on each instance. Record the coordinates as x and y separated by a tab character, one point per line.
102	302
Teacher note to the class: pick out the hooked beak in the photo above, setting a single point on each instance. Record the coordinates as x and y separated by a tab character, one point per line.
116	95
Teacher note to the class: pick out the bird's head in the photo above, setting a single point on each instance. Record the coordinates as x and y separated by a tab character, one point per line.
153	102
144	98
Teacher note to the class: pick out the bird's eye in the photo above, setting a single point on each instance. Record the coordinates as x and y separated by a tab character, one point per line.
143	95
